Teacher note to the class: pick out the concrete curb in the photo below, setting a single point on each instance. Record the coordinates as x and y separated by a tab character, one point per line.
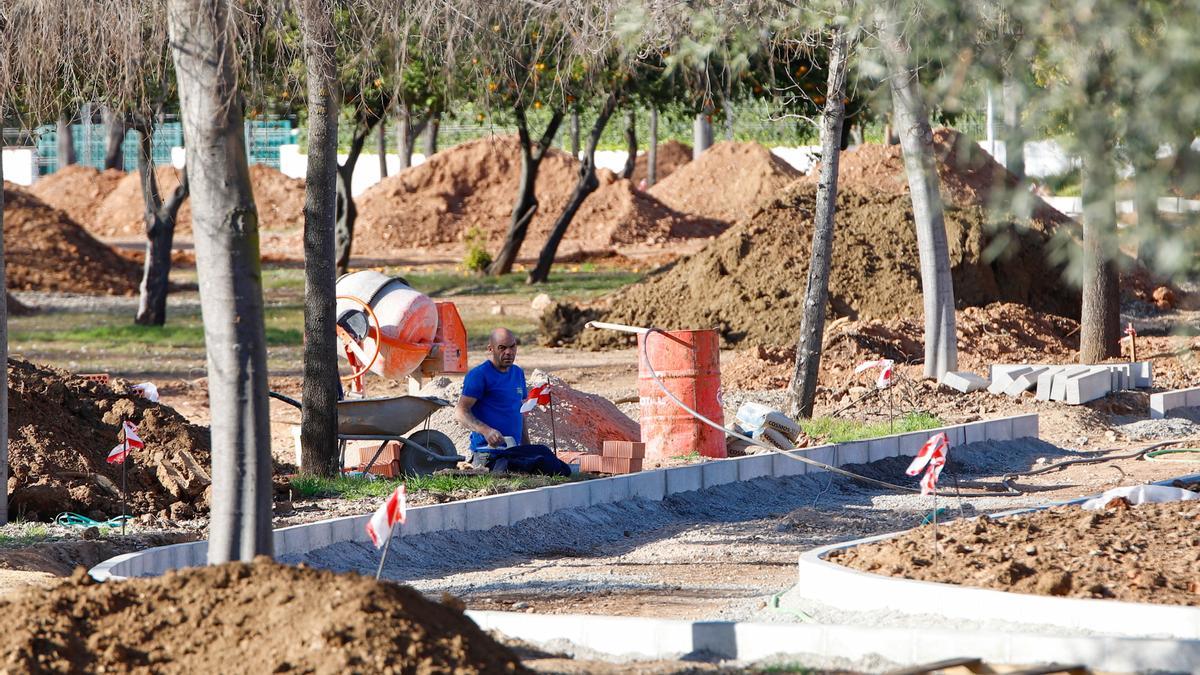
635	637
484	513
839	586
1164	402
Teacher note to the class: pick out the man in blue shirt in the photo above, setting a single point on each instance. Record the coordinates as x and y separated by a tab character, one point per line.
490	407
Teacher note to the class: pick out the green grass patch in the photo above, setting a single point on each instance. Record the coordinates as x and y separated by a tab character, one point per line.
284	327
838	430
563	283
354	487
31	533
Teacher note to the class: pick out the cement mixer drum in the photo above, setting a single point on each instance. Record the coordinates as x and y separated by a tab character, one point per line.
408	321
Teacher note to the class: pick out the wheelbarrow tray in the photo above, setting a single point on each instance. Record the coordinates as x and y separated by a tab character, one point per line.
385	416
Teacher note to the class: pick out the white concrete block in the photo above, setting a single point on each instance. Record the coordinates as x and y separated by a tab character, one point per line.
956	434
346	529
569	496
651	485
1024	382
975	432
454	516
1001	370
754	466
1044	382
718	472
1192	398
1158	408
1058	389
484	513
783	465
432	518
684	479
826	454
1143	374
999	430
852	452
963	381
911	443
1002	378
601	491
1025	426
320	537
1088	386
882	448
527	504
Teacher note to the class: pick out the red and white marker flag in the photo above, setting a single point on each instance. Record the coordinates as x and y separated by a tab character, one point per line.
885	371
539	395
393	510
933	454
132	442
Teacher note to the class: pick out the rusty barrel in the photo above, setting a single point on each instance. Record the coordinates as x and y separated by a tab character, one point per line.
688	363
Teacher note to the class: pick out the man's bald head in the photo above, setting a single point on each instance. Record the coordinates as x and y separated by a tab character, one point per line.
502	347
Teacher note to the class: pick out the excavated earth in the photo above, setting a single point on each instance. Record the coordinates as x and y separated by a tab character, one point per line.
747	283
260	617
729	182
472	186
1147	553
45	250
61	428
671	156
77	189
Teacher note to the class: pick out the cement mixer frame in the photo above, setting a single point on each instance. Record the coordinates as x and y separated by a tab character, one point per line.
414	335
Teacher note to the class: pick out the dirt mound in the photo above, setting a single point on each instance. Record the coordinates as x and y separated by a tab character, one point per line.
61	428
749	283
1005	332
729	182
671	156
280	202
243	618
47	251
1132	554
473	185
77	189
969	176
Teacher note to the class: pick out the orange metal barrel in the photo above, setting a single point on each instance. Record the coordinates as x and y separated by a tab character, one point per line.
688	362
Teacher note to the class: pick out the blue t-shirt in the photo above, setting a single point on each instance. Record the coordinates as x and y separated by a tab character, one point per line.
498	398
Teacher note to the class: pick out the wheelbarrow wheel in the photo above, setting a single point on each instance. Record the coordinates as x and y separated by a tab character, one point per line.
416	463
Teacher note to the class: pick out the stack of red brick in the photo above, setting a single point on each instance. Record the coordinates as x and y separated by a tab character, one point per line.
387	465
616	457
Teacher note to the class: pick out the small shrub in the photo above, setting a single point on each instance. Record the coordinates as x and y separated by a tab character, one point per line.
477	257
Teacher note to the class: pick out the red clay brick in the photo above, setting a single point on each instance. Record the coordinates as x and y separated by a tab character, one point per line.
612	465
626	449
358	453
384	469
574	457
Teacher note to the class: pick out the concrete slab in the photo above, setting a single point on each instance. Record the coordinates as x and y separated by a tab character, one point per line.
569	496
999	429
1044	383
882	448
826	454
1192	398
1088	386
911	443
1158	406
1001	370
651	485
1025	426
432	517
684	479
484	513
527	504
1058	389
1143	374
1001	378
600	491
782	465
718	472
963	381
454	516
975	432
754	466
853	452
1024	382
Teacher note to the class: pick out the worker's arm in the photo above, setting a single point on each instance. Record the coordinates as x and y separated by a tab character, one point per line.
462	412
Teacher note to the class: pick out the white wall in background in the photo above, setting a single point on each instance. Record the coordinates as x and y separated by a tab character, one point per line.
20	165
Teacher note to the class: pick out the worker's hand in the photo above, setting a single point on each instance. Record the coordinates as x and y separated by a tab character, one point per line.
494	438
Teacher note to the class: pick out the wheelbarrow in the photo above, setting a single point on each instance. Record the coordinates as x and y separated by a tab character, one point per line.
388	419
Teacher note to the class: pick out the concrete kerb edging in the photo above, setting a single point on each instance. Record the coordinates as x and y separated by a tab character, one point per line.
648	638
484	513
822	581
1166	401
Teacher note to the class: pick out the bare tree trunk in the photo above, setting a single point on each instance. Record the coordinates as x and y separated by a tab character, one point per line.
114	154
1014	132
1100	318
816	294
347	212
3	345
701	135
587	185
65	142
652	150
318	418
631	144
728	108
916	143
225	223
160	232
381	149
431	133
575	134
404	136
526	205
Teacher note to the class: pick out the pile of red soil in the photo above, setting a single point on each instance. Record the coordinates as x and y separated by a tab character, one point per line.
1000	332
61	428
1145	553
472	186
45	250
748	284
279	199
968	175
77	189
260	617
729	182
671	156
